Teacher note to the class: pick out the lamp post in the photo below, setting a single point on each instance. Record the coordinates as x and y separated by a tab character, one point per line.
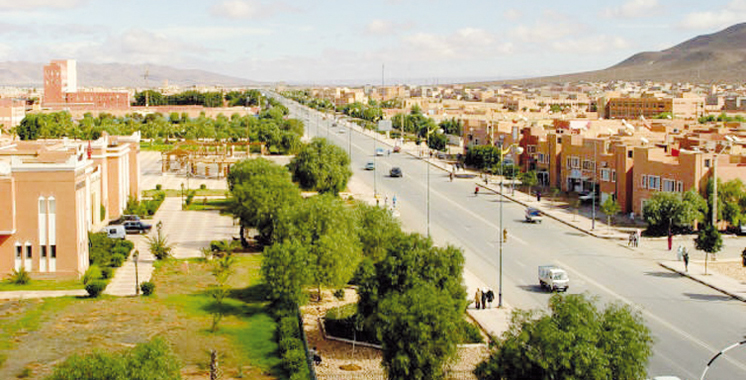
135	257
501	233
427	160
732	346
593	190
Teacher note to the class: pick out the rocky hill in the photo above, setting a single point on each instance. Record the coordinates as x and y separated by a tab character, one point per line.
716	57
31	74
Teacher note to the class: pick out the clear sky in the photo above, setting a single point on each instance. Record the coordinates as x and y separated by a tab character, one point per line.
310	41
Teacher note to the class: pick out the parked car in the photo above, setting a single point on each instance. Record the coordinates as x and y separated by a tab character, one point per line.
115	231
380	152
585	196
533	215
136	227
397	149
370	166
553	278
125	218
396	172
742	229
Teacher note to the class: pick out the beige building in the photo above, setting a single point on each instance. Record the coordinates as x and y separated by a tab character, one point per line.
53	192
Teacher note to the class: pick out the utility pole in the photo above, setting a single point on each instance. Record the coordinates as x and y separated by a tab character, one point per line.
593	192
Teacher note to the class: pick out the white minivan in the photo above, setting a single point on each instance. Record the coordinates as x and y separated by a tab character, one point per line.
115	231
553	278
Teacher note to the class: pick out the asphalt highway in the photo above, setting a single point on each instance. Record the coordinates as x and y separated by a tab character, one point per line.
690	322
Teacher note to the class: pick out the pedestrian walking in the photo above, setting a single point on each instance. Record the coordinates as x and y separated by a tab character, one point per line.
393	201
451	176
476	191
670	240
490	297
388	153
314	354
631	239
638	237
478	298
679	253
686	260
538	196
484	298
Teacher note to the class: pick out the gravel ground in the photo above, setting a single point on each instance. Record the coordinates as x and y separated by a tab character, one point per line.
336	354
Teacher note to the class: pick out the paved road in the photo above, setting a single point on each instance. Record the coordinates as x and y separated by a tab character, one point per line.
690	322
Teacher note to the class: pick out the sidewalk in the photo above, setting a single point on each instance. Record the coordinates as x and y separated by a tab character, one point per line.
719	282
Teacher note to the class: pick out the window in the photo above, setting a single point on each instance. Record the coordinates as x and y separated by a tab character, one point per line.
29	252
644	182
605	175
588	165
19	251
707	163
629	154
613	176
669	185
654	182
53	251
532	148
541	158
44	251
680	187
573	162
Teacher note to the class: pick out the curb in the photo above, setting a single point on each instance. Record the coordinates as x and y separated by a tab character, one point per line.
719	289
513	199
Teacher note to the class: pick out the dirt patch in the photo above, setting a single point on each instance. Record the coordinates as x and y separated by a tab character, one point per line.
732	269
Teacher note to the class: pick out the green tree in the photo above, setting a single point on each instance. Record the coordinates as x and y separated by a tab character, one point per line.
666	210
709	240
529	179
321	166
259	189
222	269
377	230
575	340
414	350
483	156
286	271
610	208
326	226
437	141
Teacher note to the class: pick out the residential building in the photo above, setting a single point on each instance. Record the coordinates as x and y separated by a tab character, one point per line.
61	90
12	112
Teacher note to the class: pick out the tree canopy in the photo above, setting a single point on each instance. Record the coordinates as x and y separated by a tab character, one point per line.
321	166
575	340
666	210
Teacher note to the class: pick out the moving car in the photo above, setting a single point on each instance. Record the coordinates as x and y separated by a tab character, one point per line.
136	227
397	149
553	278
370	166
533	215
380	152
396	172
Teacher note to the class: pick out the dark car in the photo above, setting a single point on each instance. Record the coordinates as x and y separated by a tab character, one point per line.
136	227
125	218
396	172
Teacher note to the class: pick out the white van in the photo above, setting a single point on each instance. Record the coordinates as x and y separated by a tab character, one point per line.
115	231
553	278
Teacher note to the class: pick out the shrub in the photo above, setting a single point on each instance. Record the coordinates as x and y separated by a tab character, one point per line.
158	186
107	273
19	277
203	187
294	361
92	273
147	288
95	288
470	333
102	210
116	260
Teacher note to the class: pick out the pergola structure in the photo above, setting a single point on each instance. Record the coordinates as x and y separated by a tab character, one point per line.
218	156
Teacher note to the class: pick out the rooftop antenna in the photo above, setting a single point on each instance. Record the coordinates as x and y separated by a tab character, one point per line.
147	86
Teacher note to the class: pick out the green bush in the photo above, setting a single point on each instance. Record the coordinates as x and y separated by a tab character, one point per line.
19	277
116	260
92	273
147	288
151	360
102	210
158	186
470	333
107	273
106	252
95	288
294	361
203	187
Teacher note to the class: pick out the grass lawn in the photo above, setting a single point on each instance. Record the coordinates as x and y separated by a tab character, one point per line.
70	284
177	192
37	334
208	204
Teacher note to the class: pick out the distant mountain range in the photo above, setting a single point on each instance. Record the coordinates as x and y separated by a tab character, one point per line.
31	74
716	57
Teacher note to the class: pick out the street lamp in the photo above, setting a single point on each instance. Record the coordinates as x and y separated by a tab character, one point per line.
501	234
135	257
732	346
438	131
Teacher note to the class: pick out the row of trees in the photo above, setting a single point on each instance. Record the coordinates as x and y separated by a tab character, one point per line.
197	98
280	135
